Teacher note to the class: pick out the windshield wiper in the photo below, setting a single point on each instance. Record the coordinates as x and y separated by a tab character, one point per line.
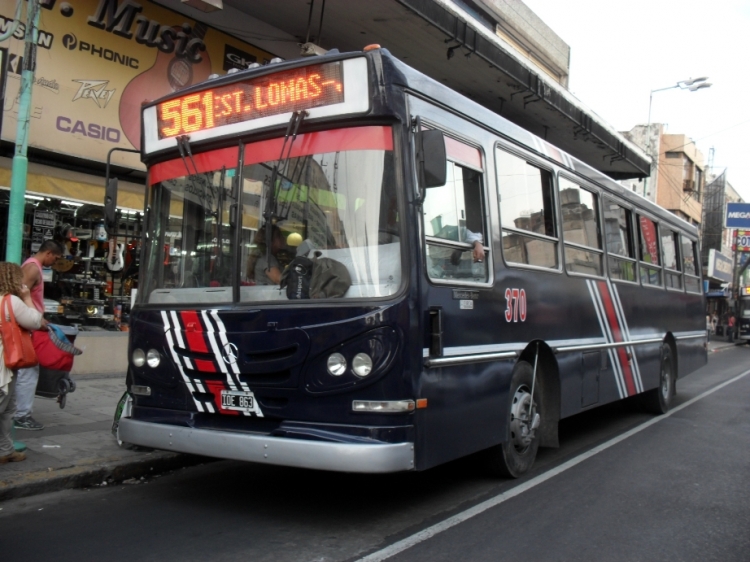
269	213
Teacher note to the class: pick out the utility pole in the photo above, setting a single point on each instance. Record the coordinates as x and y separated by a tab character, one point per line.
20	160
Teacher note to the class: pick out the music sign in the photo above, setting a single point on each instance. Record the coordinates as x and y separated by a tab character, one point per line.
738	215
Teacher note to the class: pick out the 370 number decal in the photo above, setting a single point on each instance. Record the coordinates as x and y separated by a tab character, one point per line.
516	305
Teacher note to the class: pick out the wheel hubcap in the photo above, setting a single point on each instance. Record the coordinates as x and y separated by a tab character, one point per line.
524	419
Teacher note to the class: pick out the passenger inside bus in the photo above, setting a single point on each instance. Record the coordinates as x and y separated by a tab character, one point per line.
260	269
453	214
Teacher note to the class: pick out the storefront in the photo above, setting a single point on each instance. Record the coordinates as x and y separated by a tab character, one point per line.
95	66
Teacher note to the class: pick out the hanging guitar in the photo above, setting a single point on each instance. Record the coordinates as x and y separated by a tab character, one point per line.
116	254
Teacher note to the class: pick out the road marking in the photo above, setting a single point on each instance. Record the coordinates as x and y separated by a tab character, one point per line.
438	528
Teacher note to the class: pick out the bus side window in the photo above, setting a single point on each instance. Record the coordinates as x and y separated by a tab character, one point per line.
453	222
618	232
527	212
580	226
672	265
692	277
649	252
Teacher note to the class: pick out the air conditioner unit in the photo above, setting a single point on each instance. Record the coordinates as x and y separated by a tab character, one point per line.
688	185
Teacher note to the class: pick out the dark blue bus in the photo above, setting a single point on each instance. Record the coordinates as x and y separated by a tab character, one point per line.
451	282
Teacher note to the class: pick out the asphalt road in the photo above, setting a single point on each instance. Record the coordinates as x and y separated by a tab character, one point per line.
624	485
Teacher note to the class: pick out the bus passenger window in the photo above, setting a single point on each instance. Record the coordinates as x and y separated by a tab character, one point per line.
526	212
649	252
692	275
580	225
618	232
669	245
454	227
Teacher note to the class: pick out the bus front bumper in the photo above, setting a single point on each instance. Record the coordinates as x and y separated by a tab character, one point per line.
301	453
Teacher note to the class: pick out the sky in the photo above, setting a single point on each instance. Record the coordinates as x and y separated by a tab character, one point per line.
621	50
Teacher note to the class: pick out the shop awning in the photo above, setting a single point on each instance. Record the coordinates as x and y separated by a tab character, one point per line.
73	186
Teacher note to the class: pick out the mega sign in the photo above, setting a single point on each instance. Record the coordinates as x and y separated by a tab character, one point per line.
738	215
311	86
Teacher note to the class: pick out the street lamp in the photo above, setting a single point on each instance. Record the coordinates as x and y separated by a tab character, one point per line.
691	85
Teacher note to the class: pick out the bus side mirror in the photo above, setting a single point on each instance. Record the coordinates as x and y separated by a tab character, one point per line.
431	158
110	205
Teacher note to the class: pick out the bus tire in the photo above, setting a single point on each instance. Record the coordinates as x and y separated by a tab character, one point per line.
659	400
514	457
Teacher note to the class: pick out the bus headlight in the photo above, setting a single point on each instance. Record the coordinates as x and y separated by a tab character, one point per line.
336	364
153	358
361	360
138	358
362	364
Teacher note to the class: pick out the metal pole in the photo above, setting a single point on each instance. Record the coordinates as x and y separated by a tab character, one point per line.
20	161
648	141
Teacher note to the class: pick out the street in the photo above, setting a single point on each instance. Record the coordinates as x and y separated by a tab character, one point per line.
623	486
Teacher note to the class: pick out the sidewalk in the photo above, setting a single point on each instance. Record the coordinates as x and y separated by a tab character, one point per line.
720	343
76	448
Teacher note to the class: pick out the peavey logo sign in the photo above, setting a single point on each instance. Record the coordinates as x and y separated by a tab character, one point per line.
121	17
94	90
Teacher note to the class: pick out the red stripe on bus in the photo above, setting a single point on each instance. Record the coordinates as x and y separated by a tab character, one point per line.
336	140
204	366
193	329
617	337
463	153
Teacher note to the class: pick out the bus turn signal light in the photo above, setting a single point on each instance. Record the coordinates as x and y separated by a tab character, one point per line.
421	403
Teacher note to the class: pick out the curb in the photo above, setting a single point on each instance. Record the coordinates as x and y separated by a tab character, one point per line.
727	346
95	474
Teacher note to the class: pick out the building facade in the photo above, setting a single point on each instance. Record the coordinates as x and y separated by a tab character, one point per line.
677	179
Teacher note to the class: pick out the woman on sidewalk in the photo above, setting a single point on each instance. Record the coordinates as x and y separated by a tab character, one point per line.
27	316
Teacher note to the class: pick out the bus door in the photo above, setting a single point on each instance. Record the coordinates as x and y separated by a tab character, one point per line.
462	414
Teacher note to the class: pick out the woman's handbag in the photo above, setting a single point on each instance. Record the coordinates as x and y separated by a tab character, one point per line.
18	348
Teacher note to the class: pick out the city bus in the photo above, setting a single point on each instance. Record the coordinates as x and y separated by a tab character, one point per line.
451	283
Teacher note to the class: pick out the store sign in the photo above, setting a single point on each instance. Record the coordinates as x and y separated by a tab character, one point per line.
742	241
97	61
719	266
42	229
738	215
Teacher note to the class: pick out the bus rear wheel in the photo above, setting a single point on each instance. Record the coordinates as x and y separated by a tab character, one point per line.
659	400
516	455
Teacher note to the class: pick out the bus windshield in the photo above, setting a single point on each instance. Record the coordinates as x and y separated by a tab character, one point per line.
334	197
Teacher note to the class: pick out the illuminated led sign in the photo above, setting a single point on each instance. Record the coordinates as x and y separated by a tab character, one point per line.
295	90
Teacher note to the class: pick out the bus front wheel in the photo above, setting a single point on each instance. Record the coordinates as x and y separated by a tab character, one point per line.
659	400
516	455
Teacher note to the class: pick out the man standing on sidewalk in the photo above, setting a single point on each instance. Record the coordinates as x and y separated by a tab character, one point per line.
730	327
26	379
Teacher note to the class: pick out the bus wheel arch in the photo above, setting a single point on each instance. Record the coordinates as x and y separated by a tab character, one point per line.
529	427
548	379
659	400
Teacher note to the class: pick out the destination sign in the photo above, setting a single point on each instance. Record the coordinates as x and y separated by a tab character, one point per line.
283	92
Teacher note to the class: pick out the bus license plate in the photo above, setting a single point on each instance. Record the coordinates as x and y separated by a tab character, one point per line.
239	400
